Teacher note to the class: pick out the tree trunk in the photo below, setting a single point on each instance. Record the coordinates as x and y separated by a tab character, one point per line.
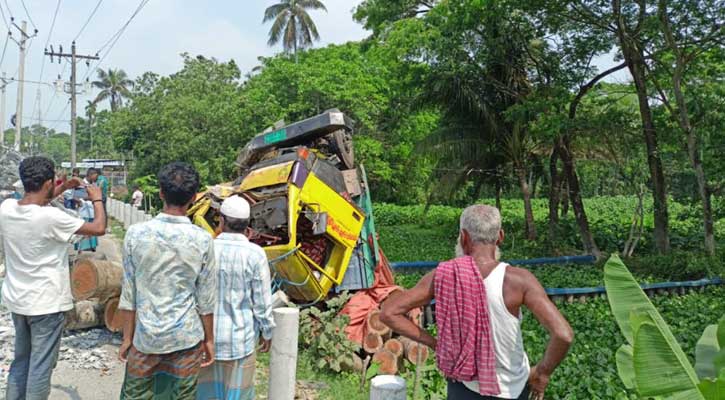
564	198
414	351
693	151
530	227
372	343
375	325
85	314
96	279
387	361
693	142
111	317
576	200
554	194
498	192
394	346
632	53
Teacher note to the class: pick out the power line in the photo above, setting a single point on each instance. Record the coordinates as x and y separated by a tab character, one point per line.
5	47
50	32
5	20
9	10
60	116
42	64
28	14
115	37
88	20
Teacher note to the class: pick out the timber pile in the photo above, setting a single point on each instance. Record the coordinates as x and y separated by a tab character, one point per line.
389	350
96	285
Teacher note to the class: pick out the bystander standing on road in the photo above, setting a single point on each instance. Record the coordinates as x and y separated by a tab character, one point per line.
168	296
137	197
95	176
243	309
36	290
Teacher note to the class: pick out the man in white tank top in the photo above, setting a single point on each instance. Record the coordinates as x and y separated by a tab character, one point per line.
507	289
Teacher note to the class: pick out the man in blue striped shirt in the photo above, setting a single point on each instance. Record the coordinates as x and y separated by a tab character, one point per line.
243	309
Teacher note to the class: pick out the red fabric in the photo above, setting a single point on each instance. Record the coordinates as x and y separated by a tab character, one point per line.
465	339
365	301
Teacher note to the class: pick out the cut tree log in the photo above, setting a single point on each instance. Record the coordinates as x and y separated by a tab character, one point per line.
375	325
96	279
395	347
111	316
85	314
414	351
352	364
388	362
372	343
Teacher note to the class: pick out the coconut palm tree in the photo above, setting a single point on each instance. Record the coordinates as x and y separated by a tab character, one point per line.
91	115
114	85
292	24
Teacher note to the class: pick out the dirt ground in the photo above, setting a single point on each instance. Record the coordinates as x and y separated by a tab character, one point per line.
78	384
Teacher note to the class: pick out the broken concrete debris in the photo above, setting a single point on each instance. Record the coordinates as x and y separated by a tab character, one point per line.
87	350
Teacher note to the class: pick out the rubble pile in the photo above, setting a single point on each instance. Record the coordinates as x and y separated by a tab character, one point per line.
9	163
78	349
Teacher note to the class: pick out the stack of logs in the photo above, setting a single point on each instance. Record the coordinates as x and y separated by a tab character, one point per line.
388	350
96	286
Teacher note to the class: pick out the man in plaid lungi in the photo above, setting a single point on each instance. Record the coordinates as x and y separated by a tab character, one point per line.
243	308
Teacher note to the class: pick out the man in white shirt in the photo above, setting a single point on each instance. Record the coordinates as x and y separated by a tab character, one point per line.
137	197
36	291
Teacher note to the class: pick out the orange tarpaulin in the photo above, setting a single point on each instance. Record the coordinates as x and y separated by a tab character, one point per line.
365	301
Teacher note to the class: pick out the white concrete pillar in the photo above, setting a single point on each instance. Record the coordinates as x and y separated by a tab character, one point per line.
283	357
140	216
134	216
387	387
113	209
126	216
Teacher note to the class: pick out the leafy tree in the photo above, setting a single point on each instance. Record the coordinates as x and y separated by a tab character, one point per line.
194	115
685	43
292	24
114	85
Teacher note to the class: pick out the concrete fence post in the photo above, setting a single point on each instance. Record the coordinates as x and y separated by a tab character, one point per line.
134	216
387	387
126	216
283	357
114	209
140	216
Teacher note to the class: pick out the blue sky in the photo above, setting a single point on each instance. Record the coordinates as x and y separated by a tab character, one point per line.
223	29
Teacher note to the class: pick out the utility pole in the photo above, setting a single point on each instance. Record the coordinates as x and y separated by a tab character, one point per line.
2	111
21	76
74	58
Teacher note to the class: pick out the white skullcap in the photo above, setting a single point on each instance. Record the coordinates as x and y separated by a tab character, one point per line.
235	207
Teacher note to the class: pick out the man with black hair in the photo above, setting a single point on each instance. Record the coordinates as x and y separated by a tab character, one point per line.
37	286
243	308
168	296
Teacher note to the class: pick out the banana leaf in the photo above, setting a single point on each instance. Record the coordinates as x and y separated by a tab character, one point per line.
624	295
714	389
661	367
705	351
658	365
625	366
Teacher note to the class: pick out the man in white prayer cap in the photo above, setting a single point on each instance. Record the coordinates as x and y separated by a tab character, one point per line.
243	312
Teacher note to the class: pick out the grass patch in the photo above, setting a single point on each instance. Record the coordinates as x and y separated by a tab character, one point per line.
315	384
